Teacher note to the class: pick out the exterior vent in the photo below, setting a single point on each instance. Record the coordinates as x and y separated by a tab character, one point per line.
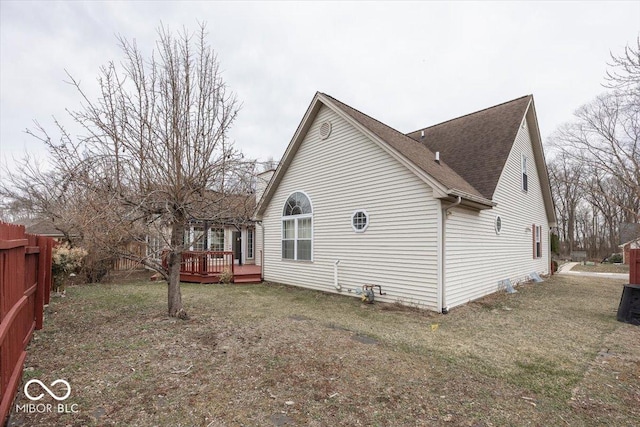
325	130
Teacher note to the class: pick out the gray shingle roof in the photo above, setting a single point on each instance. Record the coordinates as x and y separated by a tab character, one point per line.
45	228
421	155
477	145
473	148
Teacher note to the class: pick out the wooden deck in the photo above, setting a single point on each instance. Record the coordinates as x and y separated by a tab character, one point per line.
208	267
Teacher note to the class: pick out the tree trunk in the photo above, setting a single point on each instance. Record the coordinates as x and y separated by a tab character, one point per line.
175	258
571	230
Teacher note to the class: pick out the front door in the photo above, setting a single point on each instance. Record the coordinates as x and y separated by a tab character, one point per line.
237	247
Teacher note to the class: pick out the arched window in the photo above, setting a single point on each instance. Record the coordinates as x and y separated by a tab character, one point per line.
297	204
297	227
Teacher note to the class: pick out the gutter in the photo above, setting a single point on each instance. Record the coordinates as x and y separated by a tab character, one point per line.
472	198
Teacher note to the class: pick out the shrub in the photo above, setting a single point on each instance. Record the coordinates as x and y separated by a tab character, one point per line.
65	260
555	243
226	276
96	266
615	258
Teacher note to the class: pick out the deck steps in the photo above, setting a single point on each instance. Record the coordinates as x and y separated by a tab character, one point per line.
247	278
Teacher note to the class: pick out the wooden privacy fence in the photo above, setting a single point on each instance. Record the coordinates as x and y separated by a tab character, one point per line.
25	285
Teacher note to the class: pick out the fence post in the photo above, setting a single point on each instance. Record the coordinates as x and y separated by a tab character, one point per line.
634	267
40	289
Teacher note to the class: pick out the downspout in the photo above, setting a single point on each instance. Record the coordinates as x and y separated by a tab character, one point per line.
336	285
444	308
549	255
259	222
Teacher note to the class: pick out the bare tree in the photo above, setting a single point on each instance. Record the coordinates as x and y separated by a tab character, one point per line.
604	139
624	71
153	153
566	180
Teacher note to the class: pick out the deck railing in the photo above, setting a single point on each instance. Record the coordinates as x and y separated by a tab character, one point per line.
203	262
206	262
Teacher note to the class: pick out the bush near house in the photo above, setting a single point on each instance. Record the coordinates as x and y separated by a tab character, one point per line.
66	260
614	259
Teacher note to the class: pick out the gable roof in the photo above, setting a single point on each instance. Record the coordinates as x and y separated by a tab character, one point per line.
44	228
492	130
630	242
477	145
419	154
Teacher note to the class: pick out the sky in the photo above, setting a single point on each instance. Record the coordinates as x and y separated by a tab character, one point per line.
407	64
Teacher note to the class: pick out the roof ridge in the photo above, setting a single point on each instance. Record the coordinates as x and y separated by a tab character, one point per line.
471	114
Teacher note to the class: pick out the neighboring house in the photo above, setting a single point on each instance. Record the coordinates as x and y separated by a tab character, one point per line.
437	217
225	225
228	227
48	229
626	248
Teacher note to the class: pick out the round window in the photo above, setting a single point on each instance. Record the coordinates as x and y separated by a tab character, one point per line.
360	221
498	224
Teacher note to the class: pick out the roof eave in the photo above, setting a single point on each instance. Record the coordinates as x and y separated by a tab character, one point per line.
288	155
438	189
541	164
471	200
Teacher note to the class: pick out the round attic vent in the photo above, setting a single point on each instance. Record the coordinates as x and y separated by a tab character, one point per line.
325	130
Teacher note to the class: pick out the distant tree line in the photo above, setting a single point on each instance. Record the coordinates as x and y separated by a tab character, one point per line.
594	164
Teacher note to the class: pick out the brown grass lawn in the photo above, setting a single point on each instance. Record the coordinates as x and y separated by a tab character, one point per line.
550	355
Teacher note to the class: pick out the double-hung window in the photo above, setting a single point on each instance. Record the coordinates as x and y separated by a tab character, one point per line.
537	241
194	238
297	228
216	239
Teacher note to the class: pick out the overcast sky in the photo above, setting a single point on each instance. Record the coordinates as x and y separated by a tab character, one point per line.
408	65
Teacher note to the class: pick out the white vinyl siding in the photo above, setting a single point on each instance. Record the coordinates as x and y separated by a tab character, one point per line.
477	258
399	248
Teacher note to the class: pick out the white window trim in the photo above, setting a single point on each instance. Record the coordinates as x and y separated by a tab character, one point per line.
295	239
193	230
538	240
251	243
366	214
210	239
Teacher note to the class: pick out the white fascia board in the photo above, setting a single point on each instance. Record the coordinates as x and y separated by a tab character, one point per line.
288	155
541	164
484	203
